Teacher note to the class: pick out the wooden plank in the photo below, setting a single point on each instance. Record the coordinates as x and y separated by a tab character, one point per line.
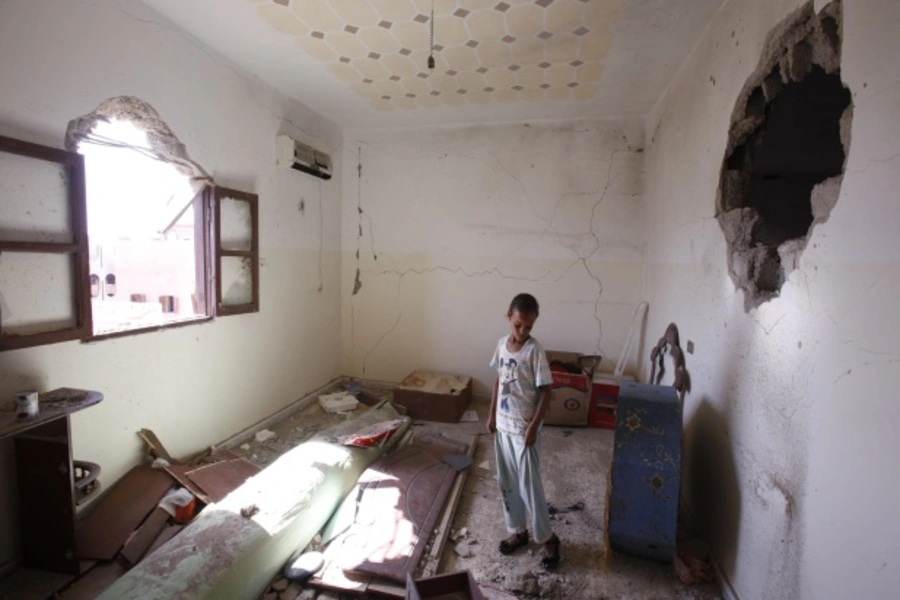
155	447
120	512
138	544
433	560
390	527
386	589
165	535
179	472
221	478
332	577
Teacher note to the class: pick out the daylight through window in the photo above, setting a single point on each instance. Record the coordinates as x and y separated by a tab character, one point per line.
146	233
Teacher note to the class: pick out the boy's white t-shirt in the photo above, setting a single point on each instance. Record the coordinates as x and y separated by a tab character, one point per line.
521	374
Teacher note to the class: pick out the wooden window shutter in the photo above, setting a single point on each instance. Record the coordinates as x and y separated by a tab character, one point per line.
236	236
44	260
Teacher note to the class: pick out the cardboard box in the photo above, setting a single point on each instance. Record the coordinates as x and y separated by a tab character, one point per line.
434	396
570	405
452	586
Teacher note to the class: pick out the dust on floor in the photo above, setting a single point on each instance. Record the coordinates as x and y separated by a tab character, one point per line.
575	466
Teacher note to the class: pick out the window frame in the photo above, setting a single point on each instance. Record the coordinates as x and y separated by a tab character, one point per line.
73	163
202	220
252	254
208	246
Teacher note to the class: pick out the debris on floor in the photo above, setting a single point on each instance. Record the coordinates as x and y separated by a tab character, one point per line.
338	402
470	416
577	507
693	561
148	507
264	435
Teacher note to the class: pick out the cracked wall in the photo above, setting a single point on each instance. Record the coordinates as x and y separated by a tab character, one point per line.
443	227
790	426
199	384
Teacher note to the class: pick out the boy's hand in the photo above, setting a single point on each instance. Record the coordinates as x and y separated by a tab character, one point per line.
530	436
491	424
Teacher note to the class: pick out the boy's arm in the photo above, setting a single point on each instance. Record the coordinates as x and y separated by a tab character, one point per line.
543	404
492	413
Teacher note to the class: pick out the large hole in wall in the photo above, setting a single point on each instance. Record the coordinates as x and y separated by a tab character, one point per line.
787	147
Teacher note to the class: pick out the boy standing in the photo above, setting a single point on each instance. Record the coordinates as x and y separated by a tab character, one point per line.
521	396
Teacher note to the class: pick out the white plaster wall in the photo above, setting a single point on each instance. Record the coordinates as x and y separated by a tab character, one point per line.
196	385
450	224
791	444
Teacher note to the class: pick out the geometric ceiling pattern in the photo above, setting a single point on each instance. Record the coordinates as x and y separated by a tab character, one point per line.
485	51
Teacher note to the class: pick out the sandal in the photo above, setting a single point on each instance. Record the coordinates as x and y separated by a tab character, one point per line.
513	543
551	561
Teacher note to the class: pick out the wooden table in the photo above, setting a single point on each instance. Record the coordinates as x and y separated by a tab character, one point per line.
46	478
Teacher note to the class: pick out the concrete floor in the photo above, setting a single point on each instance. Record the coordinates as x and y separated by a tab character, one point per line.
575	466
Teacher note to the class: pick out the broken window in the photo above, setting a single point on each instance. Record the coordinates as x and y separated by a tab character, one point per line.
148	242
787	148
146	229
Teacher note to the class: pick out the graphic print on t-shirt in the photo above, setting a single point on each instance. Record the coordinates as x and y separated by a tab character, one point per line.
519	375
507	378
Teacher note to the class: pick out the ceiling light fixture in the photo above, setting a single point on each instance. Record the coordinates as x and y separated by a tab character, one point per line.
431	46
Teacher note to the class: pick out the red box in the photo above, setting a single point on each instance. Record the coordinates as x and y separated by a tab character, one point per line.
603	417
604	396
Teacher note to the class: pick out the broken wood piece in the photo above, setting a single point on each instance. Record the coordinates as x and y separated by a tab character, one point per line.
140	541
389	589
220	479
170	531
332	577
120	512
433	560
155	447
395	530
211	456
179	473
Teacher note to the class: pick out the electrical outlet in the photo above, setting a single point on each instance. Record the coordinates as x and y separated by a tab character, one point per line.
690	347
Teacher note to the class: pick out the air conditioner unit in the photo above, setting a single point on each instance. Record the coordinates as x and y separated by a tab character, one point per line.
292	154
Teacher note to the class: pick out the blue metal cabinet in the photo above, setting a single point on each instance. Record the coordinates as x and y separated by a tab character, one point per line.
646	472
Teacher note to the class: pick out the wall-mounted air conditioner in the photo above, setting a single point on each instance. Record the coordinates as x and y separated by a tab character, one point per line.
292	154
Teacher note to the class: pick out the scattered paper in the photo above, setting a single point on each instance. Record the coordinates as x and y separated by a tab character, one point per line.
175	499
245	447
265	435
470	416
485	466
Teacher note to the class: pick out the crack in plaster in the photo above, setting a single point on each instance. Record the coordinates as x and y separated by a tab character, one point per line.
496	270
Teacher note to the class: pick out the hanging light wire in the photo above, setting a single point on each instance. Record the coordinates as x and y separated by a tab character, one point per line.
431	44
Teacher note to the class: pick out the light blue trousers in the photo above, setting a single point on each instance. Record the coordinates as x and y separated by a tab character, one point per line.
519	476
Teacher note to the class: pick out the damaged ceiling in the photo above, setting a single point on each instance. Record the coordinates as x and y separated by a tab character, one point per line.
364	63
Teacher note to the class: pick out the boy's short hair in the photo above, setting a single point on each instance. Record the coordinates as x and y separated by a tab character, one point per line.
525	304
